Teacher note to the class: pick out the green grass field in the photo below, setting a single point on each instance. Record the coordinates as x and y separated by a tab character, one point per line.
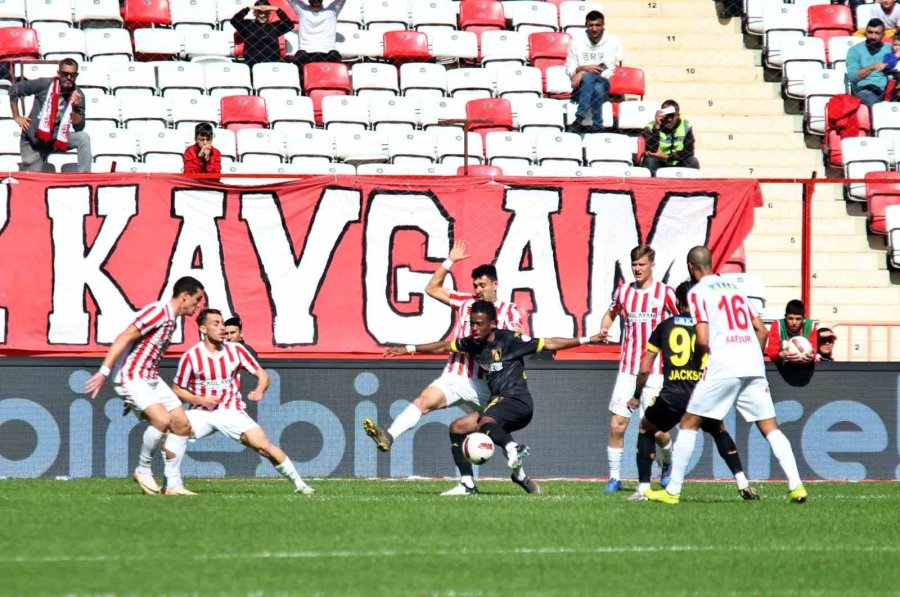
254	537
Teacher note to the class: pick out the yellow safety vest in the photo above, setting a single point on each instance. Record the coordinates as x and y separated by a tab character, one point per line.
670	142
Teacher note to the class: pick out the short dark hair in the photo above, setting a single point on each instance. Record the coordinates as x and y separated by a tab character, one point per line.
68	62
486	308
203	129
875	23
681	292
186	284
234	321
201	319
794	307
671	102
487	271
594	15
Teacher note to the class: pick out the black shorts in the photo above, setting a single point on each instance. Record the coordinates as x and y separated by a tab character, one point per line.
511	414
667	410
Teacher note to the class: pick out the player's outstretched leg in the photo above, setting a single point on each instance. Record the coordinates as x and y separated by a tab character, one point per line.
646	454
382	438
729	453
459	429
431	398
256	439
174	449
781	448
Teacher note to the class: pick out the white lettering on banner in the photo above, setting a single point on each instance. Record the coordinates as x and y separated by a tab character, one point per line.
529	229
681	222
4	220
198	237
75	267
387	214
293	284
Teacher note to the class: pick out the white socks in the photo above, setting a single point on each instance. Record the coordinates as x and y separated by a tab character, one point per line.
665	454
781	447
642	487
467	480
681	456
406	421
177	446
615	461
741	480
289	471
152	438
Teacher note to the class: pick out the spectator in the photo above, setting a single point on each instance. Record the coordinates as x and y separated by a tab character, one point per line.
794	324
261	35
825	341
886	11
202	157
865	65
591	62
669	140
318	31
56	122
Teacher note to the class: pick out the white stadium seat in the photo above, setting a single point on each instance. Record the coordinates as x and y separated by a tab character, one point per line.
156	42
892	224
504	46
518	82
352	13
428	15
49	11
431	112
275	75
342	112
108	44
553	147
450	148
253	142
114	144
861	156
148	113
189	112
781	23
469	83
393	114
132	80
64	43
531	17
801	59
608	147
360	145
227	78
360	44
385	15
635	115
166	141
102	108
572	14
509	147
196	13
206	45
290	115
314	143
164	163
97	13
452	45
819	88
181	80
13	14
677	172
372	79
411	146
419	79
838	47
531	114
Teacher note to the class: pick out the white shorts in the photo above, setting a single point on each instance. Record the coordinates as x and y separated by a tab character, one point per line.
624	390
232	423
458	388
713	398
140	394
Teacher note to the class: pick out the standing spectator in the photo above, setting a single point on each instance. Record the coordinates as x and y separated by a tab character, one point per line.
865	65
202	157
669	140
591	62
318	31
886	11
261	35
825	341
794	324
56	122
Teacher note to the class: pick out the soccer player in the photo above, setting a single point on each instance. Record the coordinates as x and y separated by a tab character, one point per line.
731	332
643	304
134	359
674	340
207	379
461	381
499	353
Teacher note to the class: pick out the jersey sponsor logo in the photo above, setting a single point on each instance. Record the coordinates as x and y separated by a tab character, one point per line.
493	367
644	316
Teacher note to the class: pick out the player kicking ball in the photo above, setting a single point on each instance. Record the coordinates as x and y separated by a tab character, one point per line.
500	354
674	340
730	330
207	379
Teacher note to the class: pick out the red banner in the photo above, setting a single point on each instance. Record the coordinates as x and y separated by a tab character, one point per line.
337	265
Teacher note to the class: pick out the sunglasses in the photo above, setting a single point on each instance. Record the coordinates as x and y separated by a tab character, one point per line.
68	75
826	341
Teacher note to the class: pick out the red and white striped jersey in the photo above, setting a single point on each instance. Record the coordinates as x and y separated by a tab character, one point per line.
156	322
642	311
462	363
215	374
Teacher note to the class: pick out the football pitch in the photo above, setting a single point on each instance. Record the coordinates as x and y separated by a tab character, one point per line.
360	537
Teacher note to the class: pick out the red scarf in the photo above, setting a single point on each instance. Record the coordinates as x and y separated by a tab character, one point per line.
48	119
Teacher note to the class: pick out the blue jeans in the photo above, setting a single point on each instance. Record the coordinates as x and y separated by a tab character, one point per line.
870	95
592	93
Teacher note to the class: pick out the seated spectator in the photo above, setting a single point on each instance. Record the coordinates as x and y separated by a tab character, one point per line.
886	11
318	31
56	121
261	35
668	140
825	341
794	324
590	63
865	65
202	157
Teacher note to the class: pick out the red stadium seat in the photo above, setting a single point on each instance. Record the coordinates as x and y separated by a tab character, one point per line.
488	115
484	15
736	264
548	44
244	112
406	46
146	13
830	20
321	79
845	116
19	42
627	81
480	170
880	195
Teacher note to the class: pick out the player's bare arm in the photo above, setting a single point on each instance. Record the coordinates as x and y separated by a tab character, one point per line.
606	323
120	345
435	287
762	334
702	330
189	397
564	343
262	384
432	348
642	376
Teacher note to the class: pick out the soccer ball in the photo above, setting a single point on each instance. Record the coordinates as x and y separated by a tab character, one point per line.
798	345
478	448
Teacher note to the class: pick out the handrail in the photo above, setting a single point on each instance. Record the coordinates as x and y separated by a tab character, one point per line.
890	327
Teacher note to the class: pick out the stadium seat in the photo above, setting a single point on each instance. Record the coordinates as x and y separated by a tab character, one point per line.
10	136
160	163
519	82
450	147
531	17
259	142
819	88
19	42
863	13
132	79
372	79
108	44
313	144
422	79
393	114
165	142
290	115
386	15
243	111
557	83
801	59
63	43
428	15
469	83
198	15
97	13
411	147
635	115
829	20
433	111
146	13
187	112
227	78
13	14
93	76
352	13
488	115
627	81
892	223
503	46
546	45
148	113
781	22
156	44
49	11
483	15
736	264
453	46
322	79
883	191
886	117
115	143
361	44
102	108
504	148
480	170
206	45
861	156
753	15
269	77
608	147
857	125
538	114
837	48
400	47
360	146
180	79
225	142
379	169
345	112
678	172
572	15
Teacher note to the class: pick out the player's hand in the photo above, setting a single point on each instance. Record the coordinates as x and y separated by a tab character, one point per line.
93	385
633	403
395	351
23	122
598	339
602	336
255	395
207	402
459	251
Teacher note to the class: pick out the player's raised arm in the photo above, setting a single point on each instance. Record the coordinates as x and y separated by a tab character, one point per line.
121	343
564	343
432	348
435	287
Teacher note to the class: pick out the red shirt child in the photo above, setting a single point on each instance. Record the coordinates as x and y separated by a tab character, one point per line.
202	157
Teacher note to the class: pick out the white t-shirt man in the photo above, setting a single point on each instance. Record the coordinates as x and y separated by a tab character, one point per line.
318	28
608	51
